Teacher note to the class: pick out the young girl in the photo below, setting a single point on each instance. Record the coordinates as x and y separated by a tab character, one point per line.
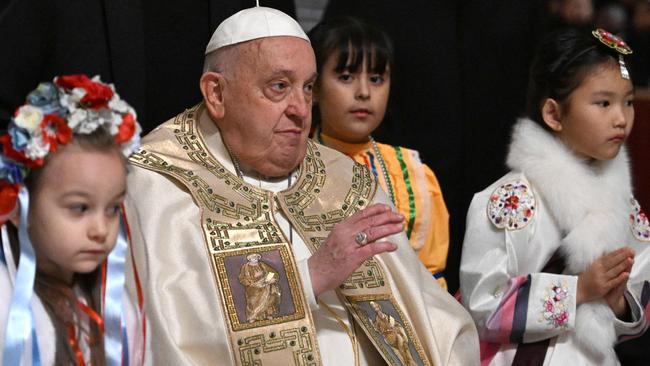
555	261
354	62
62	182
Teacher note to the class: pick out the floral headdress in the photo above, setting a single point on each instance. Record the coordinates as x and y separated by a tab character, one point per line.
53	112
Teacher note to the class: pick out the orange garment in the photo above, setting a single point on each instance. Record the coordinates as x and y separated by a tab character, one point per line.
417	196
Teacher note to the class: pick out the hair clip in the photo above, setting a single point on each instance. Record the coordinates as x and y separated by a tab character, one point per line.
617	43
612	41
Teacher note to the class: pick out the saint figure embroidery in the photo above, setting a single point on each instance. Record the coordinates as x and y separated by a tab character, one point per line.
393	333
262	291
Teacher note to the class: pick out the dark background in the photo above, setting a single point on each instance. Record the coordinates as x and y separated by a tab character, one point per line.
458	84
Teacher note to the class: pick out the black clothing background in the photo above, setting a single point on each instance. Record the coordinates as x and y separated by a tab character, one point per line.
152	50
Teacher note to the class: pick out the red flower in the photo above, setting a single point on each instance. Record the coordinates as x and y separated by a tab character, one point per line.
562	318
69	82
548	305
55	131
97	94
512	202
126	130
17	156
8	198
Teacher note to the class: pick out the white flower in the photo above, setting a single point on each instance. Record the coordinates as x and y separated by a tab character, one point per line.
118	105
71	100
84	121
37	148
76	118
29	118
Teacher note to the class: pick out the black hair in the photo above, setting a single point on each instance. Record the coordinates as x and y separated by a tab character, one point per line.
354	40
563	60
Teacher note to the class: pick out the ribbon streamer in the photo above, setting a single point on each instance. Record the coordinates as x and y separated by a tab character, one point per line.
114	321
20	320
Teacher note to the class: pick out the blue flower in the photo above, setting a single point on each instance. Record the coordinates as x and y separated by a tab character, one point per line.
46	97
19	137
11	171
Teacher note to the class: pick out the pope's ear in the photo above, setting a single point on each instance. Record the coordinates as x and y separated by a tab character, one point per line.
552	114
211	85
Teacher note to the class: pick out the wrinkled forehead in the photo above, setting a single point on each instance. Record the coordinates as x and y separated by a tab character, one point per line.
275	45
277	52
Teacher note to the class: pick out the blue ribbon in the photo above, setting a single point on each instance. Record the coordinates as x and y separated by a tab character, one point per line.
20	322
114	322
2	255
36	358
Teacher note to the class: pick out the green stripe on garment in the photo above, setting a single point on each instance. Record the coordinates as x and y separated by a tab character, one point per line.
409	189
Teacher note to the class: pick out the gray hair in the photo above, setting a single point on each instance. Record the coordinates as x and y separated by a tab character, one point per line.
221	59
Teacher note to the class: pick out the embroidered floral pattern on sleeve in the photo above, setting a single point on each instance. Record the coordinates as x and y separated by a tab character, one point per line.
554	306
511	206
639	222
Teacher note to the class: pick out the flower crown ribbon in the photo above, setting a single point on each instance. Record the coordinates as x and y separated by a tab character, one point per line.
54	112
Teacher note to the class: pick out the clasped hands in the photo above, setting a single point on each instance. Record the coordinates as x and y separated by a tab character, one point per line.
606	278
345	250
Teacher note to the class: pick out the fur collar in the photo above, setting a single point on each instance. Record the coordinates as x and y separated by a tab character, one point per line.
575	192
590	205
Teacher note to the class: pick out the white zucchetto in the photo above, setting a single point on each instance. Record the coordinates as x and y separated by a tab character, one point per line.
254	23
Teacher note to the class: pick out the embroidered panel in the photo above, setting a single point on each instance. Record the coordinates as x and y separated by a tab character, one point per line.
259	286
511	206
251	349
388	329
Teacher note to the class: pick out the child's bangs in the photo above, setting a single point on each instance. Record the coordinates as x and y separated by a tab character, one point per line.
353	50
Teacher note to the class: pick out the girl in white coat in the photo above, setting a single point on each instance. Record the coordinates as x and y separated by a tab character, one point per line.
555	264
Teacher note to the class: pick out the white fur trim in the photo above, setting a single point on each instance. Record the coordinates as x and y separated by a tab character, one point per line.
590	204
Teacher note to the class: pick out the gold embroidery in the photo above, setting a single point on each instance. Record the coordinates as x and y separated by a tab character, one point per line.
239	222
297	339
237	315
236	224
383	335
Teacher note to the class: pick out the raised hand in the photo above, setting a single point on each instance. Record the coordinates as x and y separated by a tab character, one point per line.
344	250
607	273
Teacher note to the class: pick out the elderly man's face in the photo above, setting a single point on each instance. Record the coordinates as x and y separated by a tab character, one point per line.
268	104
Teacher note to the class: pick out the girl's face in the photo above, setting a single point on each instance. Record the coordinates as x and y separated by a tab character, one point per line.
351	105
74	214
599	114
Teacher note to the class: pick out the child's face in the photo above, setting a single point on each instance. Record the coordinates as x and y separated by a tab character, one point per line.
599	115
74	213
351	105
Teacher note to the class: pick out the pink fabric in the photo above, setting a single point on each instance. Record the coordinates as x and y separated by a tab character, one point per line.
499	326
